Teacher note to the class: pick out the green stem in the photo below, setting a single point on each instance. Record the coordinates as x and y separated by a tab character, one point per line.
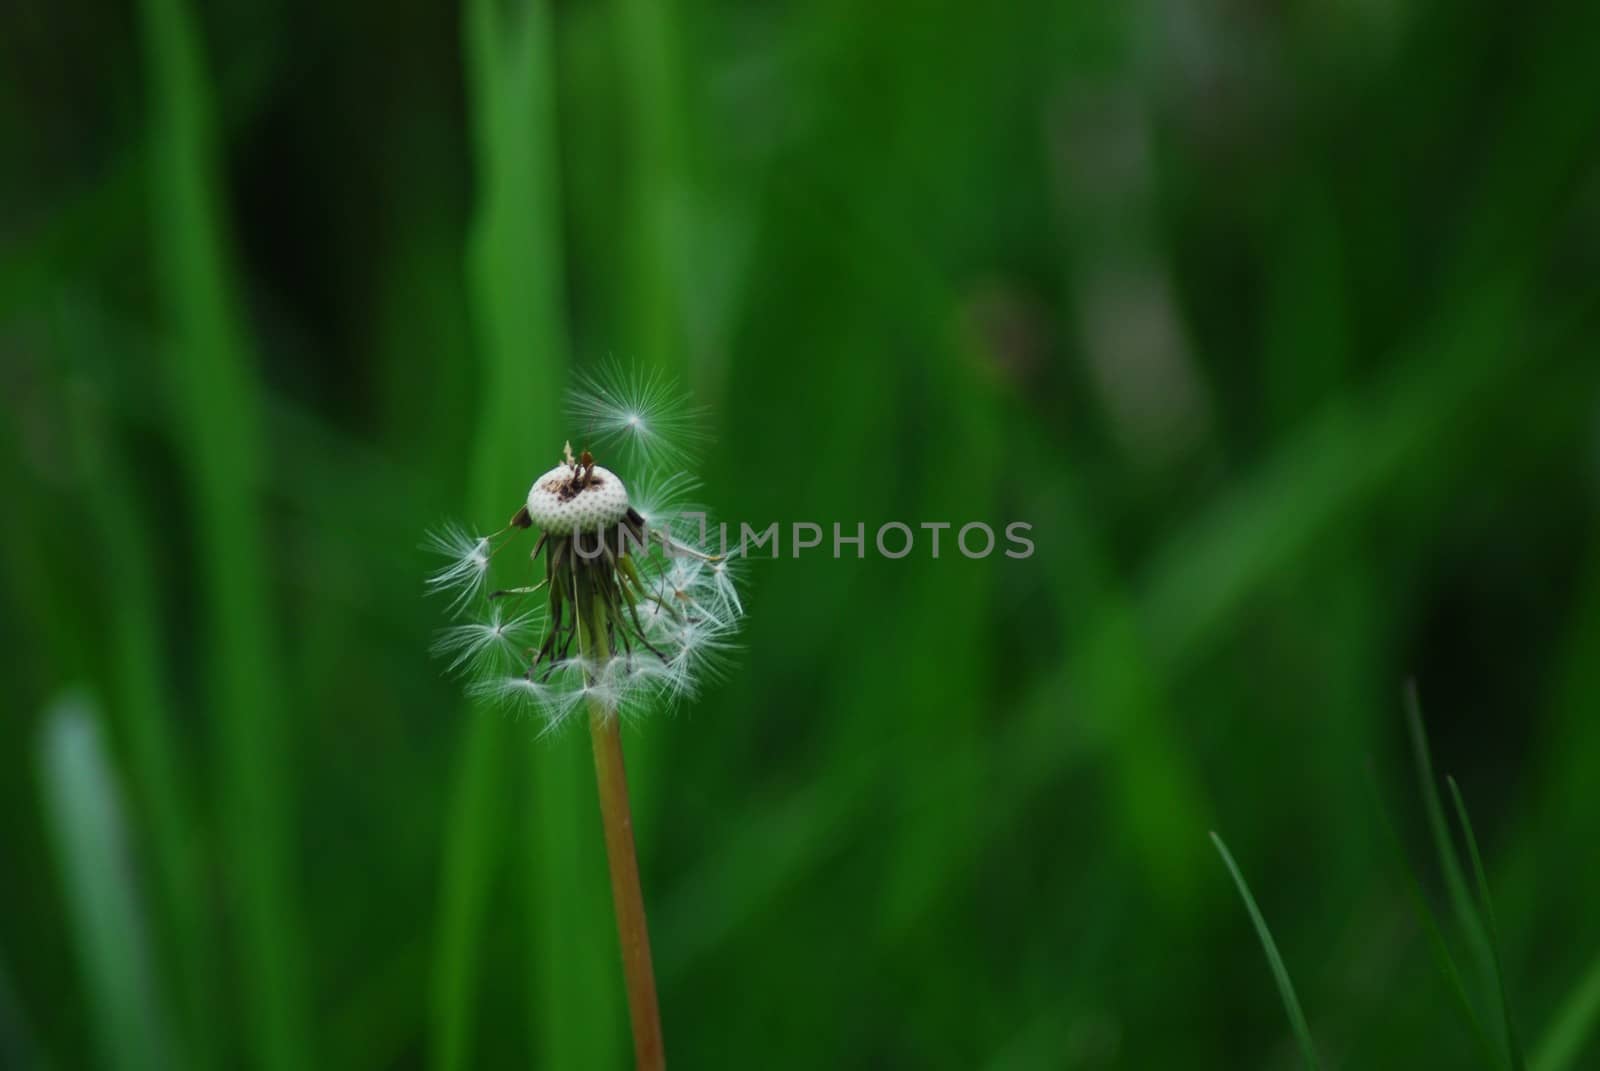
627	896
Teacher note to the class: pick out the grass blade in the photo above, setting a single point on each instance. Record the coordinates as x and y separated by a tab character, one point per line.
1513	1045
658	190
1449	861
87	824
17	1045
1574	1024
142	717
1291	1003
217	420
1430	925
473	829
517	293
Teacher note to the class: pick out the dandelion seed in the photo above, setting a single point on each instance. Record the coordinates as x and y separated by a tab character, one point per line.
640	413
487	645
635	683
468	566
665	505
722	583
551	703
702	651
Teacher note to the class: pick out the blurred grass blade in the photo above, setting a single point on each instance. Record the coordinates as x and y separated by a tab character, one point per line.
657	265
1513	1044
1449	860
1430	925
474	829
87	824
517	294
217	435
1291	1003
17	1045
142	718
1574	1025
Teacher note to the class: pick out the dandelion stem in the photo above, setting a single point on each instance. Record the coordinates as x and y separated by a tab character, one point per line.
627	897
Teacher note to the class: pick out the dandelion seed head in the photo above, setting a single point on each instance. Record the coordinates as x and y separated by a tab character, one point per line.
633	613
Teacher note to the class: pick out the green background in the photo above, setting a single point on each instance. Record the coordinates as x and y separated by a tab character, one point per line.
1276	321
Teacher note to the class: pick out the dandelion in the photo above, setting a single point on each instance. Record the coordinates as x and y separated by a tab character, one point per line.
632	612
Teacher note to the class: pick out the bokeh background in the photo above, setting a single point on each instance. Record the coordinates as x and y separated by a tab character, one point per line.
1277	322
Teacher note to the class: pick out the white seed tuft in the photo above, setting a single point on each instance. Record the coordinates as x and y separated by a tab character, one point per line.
701	650
665	505
490	645
468	567
642	413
